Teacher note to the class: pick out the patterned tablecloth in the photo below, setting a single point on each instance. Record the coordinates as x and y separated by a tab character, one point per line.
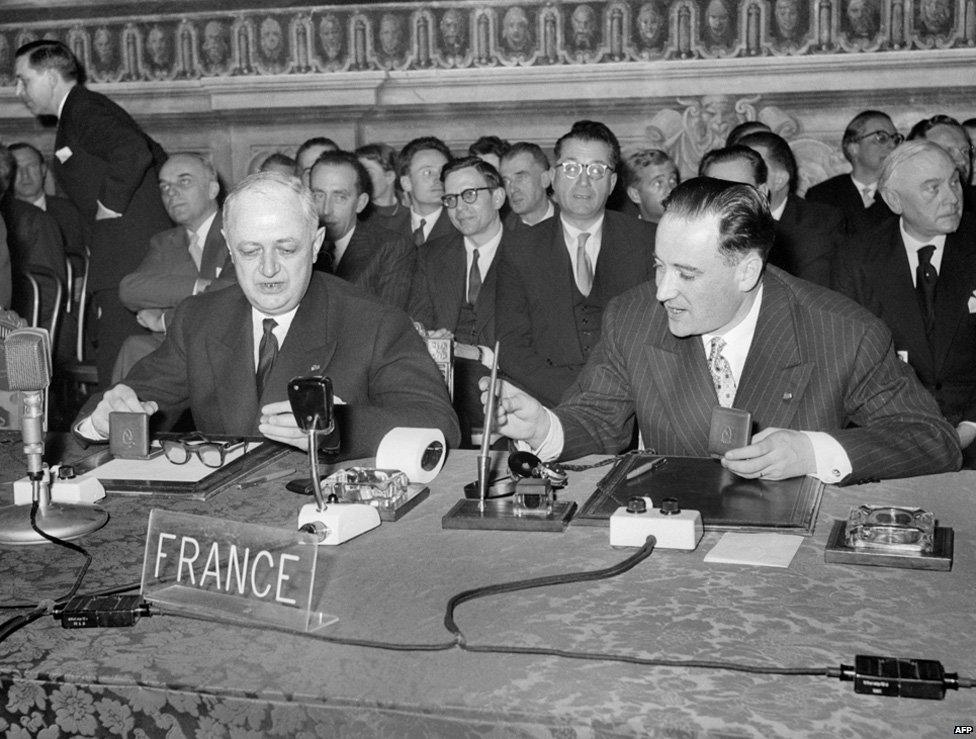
175	677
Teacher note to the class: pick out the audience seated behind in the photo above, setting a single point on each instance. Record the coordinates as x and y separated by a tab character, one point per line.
454	286
378	260
557	277
182	261
884	270
386	205
310	150
649	176
951	135
288	321
527	178
420	164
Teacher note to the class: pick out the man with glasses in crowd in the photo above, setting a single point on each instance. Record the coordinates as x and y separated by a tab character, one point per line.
868	139
453	290
557	277
420	165
229	354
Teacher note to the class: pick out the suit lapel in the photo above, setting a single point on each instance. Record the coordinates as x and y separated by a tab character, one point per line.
892	276
232	367
775	374
485	307
214	250
684	386
952	295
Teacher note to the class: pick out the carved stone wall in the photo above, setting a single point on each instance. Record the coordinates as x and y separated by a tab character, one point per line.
676	74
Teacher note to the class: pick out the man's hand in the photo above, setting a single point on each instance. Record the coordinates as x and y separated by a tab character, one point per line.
517	414
119	398
774	454
151	318
967	434
278	424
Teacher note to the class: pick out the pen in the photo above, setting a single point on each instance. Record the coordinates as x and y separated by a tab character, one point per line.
267	478
645	468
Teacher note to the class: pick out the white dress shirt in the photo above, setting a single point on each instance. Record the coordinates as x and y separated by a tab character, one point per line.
593	243
912	245
429	221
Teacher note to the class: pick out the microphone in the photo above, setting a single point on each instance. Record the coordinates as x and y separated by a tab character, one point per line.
25	365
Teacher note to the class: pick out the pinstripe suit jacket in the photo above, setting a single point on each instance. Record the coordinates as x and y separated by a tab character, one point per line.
818	362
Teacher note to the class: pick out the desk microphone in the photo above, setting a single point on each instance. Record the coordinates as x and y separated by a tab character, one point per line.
25	366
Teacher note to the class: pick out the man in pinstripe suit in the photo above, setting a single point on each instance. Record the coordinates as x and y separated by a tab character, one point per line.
819	374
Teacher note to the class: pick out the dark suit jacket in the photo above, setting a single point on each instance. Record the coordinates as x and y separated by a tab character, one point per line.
378	364
114	162
34	241
396	219
875	272
540	346
513	222
75	232
439	284
379	261
167	274
806	237
840	192
442	227
6	282
818	362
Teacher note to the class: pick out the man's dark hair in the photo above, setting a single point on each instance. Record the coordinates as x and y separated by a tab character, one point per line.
277	158
744	129
489	145
592	131
48	54
424	143
383	154
348	159
527	147
777	149
921	129
857	127
636	161
744	220
316	141
485	169
735	153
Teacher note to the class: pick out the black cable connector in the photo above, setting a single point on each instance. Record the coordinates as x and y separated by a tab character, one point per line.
94	611
902	678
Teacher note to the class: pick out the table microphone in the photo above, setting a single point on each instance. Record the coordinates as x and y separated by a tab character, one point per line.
25	366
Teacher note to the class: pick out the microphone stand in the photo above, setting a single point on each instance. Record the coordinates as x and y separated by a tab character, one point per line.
484	459
59	520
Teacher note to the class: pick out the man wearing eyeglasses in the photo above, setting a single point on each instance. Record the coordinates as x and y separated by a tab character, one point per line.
420	164
453	289
229	354
557	277
868	139
918	274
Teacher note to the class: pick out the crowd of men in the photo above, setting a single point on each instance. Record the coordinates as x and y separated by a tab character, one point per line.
613	321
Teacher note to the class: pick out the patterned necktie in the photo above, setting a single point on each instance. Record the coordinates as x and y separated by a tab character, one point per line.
867	197
925	283
474	280
267	352
584	268
418	234
196	251
718	367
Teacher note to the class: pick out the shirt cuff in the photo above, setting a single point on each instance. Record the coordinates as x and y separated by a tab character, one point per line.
85	428
832	462
486	356
552	446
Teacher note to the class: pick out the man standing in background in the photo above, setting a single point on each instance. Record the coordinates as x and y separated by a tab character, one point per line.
109	168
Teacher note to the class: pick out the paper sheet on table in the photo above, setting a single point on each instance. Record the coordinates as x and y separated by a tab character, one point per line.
161	469
768	550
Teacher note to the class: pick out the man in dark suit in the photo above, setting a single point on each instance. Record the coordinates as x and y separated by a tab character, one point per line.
527	178
557	277
807	234
377	260
453	290
818	372
889	270
230	354
420	164
182	261
34	243
109	168
868	139
29	187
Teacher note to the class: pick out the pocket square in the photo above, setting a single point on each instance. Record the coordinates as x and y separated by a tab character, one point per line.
63	154
971	305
